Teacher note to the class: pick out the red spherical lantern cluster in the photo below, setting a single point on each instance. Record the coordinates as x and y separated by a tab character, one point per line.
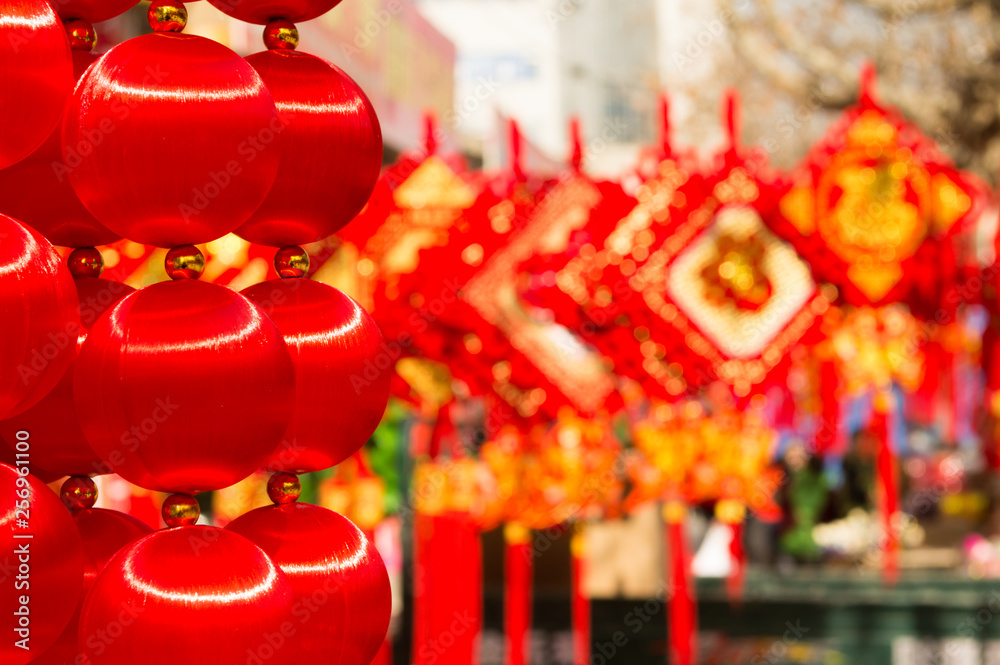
185	386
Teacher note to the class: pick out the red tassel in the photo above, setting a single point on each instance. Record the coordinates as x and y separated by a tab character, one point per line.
519	566
737	572
885	465
682	615
828	438
447	590
580	602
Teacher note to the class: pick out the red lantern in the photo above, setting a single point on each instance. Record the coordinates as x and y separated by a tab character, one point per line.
195	595
262	12
38	305
342	371
40	545
342	597
184	387
169	140
35	79
330	135
92	10
61	447
36	190
104	533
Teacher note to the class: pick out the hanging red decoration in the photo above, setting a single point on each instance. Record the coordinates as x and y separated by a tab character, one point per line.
104	533
170	138
36	293
341	587
61	447
35	79
330	134
342	371
38	535
184	386
93	11
263	12
876	206
36	190
193	594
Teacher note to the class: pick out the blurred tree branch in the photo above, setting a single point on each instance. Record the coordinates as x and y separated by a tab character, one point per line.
938	61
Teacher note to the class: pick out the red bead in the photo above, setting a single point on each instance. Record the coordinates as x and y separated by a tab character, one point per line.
184	387
322	113
281	34
85	262
38	302
78	493
37	70
319	549
283	487
56	565
342	372
180	510
291	261
196	152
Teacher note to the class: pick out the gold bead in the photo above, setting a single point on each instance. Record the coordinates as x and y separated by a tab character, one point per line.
167	16
281	35
180	510
284	488
291	261
184	262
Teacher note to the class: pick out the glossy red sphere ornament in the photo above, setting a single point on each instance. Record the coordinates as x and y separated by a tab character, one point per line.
91	10
262	12
36	190
184	386
342	597
36	76
175	138
342	372
60	446
195	595
104	534
331	148
35	521
38	310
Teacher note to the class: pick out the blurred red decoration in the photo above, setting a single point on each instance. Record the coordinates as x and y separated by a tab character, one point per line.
35	79
876	208
340	583
183	387
38	302
178	134
61	447
36	190
329	134
40	526
262	12
342	372
195	595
